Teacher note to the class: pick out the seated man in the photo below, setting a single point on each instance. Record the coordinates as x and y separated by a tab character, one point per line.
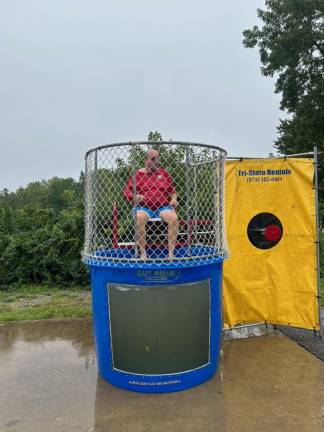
153	194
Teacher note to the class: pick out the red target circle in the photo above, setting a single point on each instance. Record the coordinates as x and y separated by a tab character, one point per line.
272	233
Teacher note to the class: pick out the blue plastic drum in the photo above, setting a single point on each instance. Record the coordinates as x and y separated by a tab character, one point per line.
157	326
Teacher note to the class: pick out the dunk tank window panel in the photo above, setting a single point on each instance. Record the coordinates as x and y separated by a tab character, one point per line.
140	332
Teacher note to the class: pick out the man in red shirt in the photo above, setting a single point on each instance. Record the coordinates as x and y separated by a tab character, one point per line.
153	194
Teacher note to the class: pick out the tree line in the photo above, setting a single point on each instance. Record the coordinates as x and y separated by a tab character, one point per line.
41	234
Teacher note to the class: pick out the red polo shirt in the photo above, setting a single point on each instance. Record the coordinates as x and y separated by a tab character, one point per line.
156	187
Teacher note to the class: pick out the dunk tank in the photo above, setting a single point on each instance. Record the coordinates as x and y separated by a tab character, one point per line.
157	315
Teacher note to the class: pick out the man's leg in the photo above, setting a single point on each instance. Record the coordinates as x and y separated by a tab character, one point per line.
141	218
171	218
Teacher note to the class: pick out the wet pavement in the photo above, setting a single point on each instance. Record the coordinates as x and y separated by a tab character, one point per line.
49	382
311	341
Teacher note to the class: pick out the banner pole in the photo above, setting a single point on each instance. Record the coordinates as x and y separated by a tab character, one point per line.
317	237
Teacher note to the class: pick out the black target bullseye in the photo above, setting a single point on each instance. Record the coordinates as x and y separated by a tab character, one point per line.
264	230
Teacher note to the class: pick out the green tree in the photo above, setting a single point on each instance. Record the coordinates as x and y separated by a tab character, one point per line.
154	136
291	47
41	233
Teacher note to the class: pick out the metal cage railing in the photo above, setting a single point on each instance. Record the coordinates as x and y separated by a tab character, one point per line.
154	202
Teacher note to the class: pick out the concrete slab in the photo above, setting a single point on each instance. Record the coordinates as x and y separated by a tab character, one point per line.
49	382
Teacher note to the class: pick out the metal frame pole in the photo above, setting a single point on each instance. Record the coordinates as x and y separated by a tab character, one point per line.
216	202
87	211
115	225
134	205
317	237
274	157
195	224
95	222
187	197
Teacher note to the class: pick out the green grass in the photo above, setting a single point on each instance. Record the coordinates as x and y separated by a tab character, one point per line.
33	302
37	302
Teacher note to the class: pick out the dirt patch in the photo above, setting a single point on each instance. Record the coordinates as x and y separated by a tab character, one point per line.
22	302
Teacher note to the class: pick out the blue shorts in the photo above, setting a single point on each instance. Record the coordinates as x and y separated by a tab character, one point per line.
152	213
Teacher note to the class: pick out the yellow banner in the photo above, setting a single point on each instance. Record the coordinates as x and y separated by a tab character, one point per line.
271	231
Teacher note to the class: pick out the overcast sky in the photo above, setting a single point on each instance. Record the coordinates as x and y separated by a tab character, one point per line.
76	74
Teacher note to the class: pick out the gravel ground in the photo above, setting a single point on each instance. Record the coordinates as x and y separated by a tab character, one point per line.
313	343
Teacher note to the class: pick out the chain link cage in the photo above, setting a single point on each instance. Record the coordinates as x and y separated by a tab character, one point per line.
178	193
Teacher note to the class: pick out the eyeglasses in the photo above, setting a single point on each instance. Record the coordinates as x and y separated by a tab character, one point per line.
154	158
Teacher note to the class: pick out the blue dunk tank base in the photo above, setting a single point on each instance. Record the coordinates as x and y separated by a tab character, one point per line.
157	325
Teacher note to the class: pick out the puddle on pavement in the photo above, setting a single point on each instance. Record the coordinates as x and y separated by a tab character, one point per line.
49	382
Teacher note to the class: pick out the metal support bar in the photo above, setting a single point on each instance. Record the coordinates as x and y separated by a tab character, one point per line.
317	237
195	194
216	199
188	196
311	154
115	226
158	143
94	207
275	157
134	205
221	191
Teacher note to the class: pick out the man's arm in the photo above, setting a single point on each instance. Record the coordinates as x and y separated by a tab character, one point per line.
128	189
174	201
172	191
129	192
